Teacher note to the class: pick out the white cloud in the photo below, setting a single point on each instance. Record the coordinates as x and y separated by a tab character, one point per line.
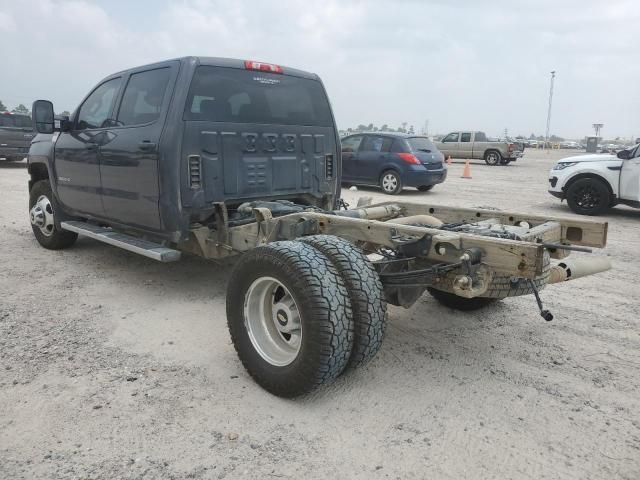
457	63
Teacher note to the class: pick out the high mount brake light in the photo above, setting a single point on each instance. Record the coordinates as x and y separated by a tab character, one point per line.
262	67
409	158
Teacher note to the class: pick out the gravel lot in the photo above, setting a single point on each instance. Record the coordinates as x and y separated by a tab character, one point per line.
114	366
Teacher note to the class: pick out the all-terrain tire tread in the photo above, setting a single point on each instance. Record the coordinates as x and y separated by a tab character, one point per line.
365	293
321	295
501	286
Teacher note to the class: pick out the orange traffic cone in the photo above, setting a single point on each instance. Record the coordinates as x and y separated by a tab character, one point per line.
449	162
466	173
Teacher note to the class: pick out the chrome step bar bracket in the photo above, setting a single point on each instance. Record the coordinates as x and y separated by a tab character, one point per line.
142	247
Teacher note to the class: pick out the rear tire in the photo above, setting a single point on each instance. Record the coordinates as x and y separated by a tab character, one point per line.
492	157
41	213
390	182
456	302
425	188
588	196
302	292
365	294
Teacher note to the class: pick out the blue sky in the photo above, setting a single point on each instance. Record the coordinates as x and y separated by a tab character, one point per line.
458	64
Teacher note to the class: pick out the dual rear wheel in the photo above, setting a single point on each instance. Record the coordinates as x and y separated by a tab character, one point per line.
300	313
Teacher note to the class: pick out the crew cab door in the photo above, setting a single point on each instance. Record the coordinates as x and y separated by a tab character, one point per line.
450	144
630	177
350	148
76	164
466	145
129	149
479	145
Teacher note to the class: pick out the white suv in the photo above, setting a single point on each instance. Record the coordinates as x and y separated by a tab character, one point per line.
591	184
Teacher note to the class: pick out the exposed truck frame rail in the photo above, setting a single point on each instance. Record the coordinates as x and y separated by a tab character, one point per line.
374	225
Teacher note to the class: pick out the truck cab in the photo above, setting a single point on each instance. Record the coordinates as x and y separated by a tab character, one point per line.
592	184
156	149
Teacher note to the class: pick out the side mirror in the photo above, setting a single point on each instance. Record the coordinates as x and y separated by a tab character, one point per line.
624	154
42	116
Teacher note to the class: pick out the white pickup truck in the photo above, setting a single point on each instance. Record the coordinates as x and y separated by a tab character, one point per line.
592	184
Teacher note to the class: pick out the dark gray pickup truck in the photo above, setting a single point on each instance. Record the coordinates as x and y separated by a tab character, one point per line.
218	157
16	133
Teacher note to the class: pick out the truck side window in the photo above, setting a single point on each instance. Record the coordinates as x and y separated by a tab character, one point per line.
452	137
143	96
480	137
351	144
96	109
465	137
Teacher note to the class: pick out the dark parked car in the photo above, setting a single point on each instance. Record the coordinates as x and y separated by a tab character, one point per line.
392	161
16	133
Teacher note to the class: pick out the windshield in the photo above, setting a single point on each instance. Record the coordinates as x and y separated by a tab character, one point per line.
222	94
421	144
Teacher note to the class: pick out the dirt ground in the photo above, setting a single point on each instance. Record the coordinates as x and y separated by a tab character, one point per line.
115	366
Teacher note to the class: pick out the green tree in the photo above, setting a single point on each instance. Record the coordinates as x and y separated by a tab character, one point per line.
65	113
21	109
384	128
411	130
2	106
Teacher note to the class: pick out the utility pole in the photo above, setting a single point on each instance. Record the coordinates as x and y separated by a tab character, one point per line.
597	127
546	138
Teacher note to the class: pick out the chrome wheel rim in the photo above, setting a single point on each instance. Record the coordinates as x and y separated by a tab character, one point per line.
389	182
272	320
492	158
41	216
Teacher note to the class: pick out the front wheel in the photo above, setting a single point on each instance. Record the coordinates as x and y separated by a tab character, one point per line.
41	214
290	318
390	182
425	188
492	157
588	196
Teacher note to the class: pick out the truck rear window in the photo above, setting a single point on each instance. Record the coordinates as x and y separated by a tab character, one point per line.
220	94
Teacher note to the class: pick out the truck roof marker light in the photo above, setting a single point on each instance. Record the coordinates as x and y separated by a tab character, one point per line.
262	67
409	158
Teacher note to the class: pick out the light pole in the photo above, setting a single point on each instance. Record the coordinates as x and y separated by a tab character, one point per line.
546	137
597	127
